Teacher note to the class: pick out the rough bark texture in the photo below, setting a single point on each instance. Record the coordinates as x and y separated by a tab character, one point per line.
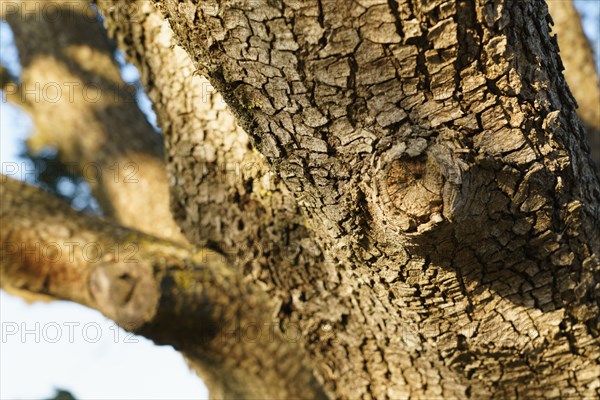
435	150
222	190
188	298
448	239
73	89
580	68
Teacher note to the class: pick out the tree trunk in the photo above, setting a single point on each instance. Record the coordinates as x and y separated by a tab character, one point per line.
435	150
436	229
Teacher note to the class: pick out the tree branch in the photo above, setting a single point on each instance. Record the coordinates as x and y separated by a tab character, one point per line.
171	294
73	89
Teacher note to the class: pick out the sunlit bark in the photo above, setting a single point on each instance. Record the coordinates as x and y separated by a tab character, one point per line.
426	214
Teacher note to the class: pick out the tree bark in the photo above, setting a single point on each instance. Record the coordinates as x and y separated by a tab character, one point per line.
580	69
222	190
435	150
72	87
451	210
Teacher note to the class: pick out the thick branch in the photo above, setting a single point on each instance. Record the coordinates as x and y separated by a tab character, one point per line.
200	133
169	293
72	86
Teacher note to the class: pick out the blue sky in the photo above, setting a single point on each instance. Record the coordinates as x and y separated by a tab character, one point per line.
63	345
590	12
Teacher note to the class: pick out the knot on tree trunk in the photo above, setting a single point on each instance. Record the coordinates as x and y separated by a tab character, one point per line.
421	185
414	189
